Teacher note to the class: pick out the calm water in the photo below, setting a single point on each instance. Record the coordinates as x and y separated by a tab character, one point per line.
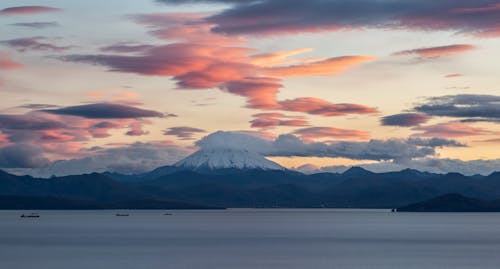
249	239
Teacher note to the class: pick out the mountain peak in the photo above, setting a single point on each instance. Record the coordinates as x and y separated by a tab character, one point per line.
221	158
356	171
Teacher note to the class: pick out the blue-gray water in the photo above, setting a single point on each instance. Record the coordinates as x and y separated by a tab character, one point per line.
249	239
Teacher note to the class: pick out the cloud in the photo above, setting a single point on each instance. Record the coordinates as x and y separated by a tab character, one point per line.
472	106
313	133
27	10
318	106
450	129
191	65
271	120
33	44
260	91
436	52
272	17
63	132
405	119
22	156
453	75
329	66
30	121
127	48
434	142
128	159
432	165
221	64
183	132
37	106
6	63
277	58
105	111
399	150
36	25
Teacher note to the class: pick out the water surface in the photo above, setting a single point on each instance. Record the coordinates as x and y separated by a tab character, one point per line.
249	238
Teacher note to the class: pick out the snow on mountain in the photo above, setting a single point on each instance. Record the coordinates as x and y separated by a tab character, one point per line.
223	158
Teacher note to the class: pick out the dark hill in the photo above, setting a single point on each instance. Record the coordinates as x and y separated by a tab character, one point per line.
452	202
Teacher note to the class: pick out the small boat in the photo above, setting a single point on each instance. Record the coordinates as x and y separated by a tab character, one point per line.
122	215
32	215
167	214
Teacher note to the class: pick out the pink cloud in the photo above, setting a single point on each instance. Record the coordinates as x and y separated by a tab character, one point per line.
313	133
318	106
220	64
260	91
454	75
450	130
436	52
27	10
271	120
6	63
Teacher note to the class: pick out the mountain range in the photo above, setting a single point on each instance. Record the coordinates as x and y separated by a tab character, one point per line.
231	187
228	178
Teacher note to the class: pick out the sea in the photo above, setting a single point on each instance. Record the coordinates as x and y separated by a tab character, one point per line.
249	239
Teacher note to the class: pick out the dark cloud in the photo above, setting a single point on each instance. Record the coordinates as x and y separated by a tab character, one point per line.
436	52
105	111
183	132
127	48
471	106
27	10
434	142
128	159
36	25
405	119
479	18
31	121
33	43
432	165
37	106
22	156
399	150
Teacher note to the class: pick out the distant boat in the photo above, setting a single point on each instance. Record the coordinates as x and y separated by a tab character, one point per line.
167	214
122	215
32	215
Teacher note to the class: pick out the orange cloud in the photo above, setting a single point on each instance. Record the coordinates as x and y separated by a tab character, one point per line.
277	58
126	95
329	66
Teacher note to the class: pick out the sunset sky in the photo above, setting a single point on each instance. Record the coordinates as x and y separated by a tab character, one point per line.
131	85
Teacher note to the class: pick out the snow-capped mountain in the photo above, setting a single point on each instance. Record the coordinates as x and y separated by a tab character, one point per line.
222	158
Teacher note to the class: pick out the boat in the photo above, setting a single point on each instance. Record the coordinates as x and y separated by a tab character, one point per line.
167	214
122	215
32	215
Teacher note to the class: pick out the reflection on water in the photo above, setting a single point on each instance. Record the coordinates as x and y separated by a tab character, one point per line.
249	238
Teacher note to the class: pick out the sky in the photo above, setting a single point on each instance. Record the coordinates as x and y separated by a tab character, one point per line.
127	86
